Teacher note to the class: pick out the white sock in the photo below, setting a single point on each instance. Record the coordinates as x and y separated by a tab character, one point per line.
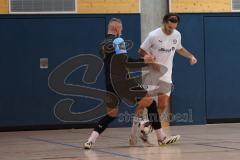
160	134
93	137
135	124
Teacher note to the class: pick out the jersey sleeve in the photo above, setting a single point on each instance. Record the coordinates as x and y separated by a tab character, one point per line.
119	46
146	45
179	44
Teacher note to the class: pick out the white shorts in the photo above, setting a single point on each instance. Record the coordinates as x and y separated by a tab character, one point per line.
154	86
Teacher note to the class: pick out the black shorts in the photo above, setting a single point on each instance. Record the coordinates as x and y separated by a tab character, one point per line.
111	104
141	93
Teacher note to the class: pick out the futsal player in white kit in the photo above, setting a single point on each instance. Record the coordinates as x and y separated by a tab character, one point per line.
162	44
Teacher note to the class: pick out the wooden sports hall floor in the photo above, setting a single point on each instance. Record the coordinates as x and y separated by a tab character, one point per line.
200	142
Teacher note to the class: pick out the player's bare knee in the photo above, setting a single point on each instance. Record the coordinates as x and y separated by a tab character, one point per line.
162	106
139	110
142	103
145	102
163	103
113	112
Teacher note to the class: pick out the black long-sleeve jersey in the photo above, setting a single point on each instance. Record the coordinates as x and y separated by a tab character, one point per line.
107	52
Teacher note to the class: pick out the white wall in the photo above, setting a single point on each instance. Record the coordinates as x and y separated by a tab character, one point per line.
152	12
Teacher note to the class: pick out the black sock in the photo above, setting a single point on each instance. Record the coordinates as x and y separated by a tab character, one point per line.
103	123
153	116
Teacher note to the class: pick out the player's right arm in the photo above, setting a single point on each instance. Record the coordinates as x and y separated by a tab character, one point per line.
144	50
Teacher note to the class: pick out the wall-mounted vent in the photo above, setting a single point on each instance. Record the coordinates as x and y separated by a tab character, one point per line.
42	6
236	5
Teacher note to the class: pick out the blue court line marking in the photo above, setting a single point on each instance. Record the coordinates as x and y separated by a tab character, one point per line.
216	146
76	146
218	140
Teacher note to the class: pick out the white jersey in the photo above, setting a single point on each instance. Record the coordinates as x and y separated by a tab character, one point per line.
163	47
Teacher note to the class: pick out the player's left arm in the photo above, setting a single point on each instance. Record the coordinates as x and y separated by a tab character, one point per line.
185	53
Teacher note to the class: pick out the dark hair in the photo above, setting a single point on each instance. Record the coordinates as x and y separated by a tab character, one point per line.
171	17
